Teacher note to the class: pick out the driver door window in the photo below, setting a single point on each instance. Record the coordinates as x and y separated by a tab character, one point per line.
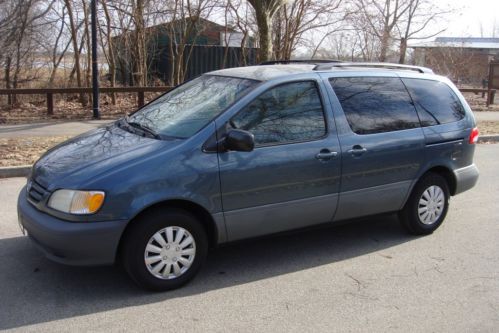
287	113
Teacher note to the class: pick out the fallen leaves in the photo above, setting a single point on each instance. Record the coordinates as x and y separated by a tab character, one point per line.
32	108
25	151
488	127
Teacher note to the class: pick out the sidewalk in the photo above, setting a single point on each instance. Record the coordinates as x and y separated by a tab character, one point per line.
487	115
71	128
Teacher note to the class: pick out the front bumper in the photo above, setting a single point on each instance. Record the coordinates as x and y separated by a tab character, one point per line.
71	243
466	178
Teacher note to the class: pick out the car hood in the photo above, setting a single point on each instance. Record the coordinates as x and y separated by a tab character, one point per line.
91	154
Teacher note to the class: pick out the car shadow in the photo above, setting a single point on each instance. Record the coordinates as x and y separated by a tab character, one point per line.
35	290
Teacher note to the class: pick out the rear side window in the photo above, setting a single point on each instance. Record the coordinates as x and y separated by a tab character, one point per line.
375	104
287	113
435	102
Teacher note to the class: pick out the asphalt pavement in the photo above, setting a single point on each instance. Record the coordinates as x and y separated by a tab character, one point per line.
369	276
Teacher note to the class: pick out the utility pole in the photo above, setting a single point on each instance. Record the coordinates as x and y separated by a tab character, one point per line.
95	71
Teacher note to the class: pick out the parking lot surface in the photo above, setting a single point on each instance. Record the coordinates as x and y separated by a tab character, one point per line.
366	276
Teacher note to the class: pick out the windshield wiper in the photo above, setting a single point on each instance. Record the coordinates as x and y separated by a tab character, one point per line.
143	128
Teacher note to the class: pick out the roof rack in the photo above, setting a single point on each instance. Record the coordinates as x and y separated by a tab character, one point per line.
299	61
327	66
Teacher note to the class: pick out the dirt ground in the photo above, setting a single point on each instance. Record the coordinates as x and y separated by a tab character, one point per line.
477	103
33	109
24	151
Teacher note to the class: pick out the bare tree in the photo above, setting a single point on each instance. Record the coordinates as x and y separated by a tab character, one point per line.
187	22
295	19
56	52
19	22
264	13
242	19
139	42
381	17
108	48
88	46
419	18
76	49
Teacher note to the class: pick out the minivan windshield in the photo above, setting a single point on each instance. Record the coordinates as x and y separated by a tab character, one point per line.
183	111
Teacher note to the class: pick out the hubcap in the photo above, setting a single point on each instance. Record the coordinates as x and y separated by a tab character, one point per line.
170	252
431	204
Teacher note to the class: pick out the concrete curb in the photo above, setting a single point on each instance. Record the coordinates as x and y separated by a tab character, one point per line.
488	138
23	170
16	171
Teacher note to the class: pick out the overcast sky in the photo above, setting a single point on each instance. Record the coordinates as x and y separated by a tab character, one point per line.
472	14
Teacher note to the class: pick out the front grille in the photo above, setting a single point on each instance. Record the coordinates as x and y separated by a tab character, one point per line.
36	192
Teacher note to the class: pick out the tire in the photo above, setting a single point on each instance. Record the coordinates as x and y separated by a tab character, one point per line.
430	186
183	258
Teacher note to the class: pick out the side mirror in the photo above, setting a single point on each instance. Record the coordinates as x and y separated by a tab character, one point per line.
239	140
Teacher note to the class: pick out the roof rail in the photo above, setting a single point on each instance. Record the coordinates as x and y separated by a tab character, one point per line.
373	65
299	61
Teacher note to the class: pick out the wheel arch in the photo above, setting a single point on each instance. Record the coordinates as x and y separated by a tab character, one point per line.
441	170
206	219
448	175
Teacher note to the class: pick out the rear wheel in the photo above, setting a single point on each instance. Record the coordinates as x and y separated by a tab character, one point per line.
427	206
163	250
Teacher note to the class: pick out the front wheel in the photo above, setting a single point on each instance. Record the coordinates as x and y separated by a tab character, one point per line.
163	250
427	206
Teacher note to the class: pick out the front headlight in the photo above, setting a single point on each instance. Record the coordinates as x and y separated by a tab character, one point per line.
76	202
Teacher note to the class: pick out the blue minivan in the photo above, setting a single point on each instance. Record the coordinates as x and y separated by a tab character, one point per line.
251	151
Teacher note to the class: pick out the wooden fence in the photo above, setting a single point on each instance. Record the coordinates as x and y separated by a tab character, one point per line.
491	93
50	92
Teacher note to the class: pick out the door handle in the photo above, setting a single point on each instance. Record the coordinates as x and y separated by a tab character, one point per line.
326	154
357	150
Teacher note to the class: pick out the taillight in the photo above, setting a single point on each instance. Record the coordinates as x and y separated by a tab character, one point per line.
474	135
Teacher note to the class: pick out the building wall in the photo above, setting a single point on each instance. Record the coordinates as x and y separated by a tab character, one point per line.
203	52
203	59
461	65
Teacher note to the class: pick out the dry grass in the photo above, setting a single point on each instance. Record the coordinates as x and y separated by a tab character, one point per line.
488	127
25	151
477	103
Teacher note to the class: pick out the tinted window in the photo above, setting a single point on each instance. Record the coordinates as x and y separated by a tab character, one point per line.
290	112
375	104
435	101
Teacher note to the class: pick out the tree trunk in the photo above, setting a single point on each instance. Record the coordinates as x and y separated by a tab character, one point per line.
403	50
244	52
264	22
76	51
88	69
8	62
384	46
111	57
140	68
88	46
